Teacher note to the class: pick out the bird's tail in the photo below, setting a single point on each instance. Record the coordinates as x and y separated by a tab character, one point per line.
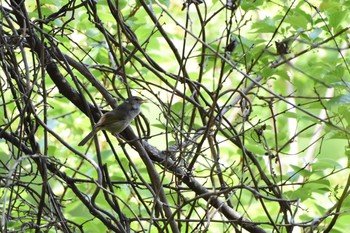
87	138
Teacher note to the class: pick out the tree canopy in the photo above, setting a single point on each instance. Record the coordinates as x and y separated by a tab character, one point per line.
245	129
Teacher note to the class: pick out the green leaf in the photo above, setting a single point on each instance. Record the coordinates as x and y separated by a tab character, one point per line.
301	170
342	85
251	5
330	6
338	100
324	164
297	21
265	26
303	194
291	115
159	125
336	18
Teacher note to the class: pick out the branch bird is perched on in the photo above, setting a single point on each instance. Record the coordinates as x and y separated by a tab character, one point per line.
118	119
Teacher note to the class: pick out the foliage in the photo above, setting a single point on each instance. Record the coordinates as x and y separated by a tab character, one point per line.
246	127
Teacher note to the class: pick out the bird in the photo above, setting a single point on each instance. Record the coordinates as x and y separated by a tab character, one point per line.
118	119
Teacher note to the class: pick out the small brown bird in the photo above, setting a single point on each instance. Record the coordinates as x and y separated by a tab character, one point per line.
118	119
